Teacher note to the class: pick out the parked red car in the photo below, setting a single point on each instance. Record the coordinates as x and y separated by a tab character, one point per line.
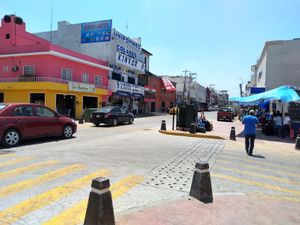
26	121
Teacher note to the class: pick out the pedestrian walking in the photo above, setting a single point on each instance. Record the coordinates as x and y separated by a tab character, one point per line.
250	123
286	125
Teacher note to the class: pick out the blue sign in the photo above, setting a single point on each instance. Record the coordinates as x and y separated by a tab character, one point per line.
99	31
257	90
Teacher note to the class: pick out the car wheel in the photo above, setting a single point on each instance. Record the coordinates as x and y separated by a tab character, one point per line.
11	138
130	120
218	119
67	131
114	122
97	124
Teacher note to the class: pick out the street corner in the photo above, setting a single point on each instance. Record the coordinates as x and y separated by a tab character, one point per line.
187	134
189	211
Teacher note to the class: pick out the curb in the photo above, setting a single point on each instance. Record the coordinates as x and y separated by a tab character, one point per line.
180	133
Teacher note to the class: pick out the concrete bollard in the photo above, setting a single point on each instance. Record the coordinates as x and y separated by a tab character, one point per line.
297	146
201	185
100	207
193	128
232	134
81	121
163	125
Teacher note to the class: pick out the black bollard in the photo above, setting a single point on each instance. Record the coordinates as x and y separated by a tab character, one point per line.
81	121
193	128
100	207
232	134
297	146
201	185
163	125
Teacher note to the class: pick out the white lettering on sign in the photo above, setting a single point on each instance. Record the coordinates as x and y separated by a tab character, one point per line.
126	39
74	86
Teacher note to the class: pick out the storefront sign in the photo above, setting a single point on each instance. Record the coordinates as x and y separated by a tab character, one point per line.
126	51
99	31
126	89
130	62
126	39
74	86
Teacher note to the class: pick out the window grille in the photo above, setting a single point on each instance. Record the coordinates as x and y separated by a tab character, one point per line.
66	74
98	80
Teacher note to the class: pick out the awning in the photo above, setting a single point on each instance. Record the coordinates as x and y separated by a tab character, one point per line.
168	85
283	94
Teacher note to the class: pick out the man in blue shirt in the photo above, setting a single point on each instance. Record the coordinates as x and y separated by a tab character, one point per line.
250	123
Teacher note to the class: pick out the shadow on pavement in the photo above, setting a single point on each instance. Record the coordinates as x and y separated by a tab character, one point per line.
272	138
258	156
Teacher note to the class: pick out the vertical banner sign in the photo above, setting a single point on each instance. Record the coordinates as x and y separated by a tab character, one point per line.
98	31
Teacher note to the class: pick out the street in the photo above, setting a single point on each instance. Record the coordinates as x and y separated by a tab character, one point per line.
48	181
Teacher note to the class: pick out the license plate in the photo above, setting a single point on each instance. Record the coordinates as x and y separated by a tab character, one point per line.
98	116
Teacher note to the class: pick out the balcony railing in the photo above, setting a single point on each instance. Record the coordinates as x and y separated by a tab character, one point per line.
42	79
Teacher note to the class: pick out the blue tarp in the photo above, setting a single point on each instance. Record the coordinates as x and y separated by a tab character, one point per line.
283	94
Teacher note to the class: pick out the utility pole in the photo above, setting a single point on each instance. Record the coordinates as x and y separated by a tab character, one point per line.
184	86
241	86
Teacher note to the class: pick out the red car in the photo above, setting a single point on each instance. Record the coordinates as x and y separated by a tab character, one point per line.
26	121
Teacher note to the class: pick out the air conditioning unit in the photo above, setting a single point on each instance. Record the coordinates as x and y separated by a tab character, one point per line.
15	68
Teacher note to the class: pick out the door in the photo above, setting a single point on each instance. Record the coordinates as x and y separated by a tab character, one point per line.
49	123
24	119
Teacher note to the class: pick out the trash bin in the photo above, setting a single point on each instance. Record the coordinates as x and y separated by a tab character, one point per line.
87	114
185	116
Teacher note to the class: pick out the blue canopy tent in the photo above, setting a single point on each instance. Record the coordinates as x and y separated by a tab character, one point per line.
283	94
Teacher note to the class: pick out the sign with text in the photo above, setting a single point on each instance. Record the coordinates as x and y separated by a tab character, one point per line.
130	62
74	86
98	31
123	88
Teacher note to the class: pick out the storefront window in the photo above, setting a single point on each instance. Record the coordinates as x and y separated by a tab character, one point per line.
1	97
37	98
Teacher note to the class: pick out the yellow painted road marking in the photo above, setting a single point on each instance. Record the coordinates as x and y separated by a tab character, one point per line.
260	168
21	170
6	155
15	161
282	180
23	185
276	197
75	215
259	163
256	183
15	212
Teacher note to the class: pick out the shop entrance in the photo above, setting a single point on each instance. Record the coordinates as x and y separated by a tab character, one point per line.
37	98
152	106
90	102
65	105
1	97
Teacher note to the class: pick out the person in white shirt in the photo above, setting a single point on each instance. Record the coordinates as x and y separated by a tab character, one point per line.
286	125
278	124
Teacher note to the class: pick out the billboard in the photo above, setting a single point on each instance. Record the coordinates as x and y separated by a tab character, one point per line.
98	31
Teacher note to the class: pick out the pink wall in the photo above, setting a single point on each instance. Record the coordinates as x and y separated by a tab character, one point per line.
50	66
21	41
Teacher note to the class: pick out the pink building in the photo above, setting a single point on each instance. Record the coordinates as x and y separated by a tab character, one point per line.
34	70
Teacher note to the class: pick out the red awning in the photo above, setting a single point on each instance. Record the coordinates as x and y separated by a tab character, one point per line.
168	85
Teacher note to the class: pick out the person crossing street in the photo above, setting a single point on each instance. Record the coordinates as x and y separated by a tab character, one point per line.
250	123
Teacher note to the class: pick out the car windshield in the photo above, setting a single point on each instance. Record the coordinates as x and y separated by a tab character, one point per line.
2	106
105	109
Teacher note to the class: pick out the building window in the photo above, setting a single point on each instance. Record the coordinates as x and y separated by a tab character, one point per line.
98	80
28	70
131	80
66	74
85	78
37	98
7	36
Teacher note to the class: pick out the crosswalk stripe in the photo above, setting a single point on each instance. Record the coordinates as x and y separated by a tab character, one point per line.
260	168
15	212
256	162
259	175
15	161
26	184
256	183
75	215
2	155
32	167
277	197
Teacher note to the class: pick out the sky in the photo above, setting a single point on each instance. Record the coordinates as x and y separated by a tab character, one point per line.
217	39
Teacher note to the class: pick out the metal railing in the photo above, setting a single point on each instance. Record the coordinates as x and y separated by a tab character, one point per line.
42	79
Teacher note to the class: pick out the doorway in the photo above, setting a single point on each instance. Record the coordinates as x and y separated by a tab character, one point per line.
152	106
1	97
66	104
90	102
37	98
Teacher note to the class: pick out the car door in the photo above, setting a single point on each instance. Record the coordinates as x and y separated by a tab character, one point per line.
124	115
23	118
50	124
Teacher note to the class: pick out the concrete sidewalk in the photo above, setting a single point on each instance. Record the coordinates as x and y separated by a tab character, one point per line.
225	210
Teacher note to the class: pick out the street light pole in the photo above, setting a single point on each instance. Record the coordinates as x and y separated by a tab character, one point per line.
241	84
192	76
184	86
